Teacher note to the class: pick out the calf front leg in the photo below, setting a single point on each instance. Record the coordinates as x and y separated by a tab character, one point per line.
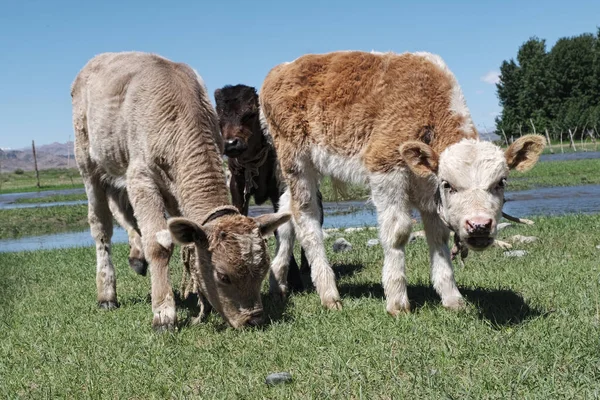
442	273
395	224
149	209
307	223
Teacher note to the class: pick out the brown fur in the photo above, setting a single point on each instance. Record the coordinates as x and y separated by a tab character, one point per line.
360	103
147	141
523	154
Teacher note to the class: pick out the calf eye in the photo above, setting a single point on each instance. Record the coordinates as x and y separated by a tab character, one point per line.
223	278
447	186
502	183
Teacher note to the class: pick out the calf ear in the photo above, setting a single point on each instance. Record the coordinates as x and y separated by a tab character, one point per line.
185	231
420	158
524	152
269	222
218	94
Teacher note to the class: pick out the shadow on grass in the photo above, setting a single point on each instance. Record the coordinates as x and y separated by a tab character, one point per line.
500	308
340	271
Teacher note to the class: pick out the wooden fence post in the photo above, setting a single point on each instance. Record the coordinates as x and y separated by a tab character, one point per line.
37	173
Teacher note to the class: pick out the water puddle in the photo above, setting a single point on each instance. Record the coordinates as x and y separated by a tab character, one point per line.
544	201
7	201
580	155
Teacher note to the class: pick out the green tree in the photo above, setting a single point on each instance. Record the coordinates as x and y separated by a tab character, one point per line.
558	90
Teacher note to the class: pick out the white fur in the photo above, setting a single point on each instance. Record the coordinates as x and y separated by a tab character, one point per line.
285	248
164	238
474	169
347	169
390	197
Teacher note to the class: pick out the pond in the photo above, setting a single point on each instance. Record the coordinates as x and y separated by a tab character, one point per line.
543	201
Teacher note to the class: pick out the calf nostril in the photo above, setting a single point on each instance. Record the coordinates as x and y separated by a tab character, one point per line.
482	225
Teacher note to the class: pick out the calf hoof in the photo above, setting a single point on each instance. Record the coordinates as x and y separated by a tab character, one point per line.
164	328
333	304
139	265
396	310
162	325
455	303
108	305
164	320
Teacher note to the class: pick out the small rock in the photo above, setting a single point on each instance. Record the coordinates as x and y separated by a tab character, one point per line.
503	225
515	253
278	377
341	245
598	247
523	239
502	244
372	242
353	229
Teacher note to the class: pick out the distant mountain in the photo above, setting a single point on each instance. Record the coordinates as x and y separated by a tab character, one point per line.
489	136
60	155
54	155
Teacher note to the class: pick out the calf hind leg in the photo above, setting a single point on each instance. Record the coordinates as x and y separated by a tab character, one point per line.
101	227
123	212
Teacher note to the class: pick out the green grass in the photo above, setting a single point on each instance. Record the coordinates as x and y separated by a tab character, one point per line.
36	221
557	173
50	179
530	331
53	199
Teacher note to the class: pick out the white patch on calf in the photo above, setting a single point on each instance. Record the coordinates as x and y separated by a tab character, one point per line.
474	169
164	238
346	169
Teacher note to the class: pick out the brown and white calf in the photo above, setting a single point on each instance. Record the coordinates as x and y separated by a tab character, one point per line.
398	123
147	143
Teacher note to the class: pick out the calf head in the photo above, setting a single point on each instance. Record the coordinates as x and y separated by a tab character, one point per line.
237	107
471	177
232	260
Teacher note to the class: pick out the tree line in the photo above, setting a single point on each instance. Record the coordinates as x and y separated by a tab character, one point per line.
556	90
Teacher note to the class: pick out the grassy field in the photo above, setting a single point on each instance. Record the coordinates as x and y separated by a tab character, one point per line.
36	221
50	179
53	199
530	331
556	173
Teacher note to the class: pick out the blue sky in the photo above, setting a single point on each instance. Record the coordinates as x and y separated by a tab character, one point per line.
45	43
